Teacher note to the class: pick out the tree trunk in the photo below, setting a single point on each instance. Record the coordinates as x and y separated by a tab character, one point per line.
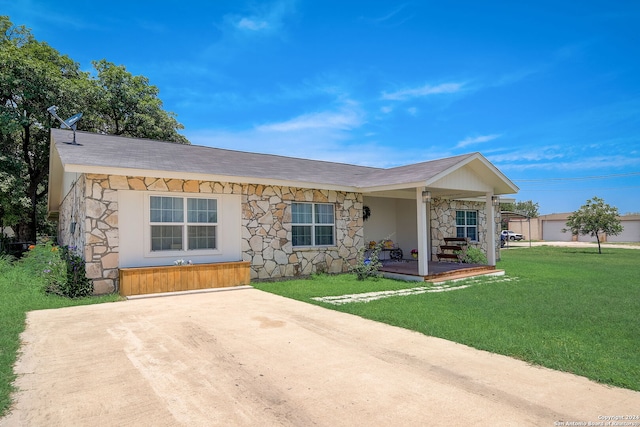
23	233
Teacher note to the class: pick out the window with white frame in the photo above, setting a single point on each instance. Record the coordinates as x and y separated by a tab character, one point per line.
183	223
467	224
313	224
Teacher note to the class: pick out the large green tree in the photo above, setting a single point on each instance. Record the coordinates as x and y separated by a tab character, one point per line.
595	218
129	105
34	76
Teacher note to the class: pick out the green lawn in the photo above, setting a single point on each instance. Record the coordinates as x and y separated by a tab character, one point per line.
567	309
20	292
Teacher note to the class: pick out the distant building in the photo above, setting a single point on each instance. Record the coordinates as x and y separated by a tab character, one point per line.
549	228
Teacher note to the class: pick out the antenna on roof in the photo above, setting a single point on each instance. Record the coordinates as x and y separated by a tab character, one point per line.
70	123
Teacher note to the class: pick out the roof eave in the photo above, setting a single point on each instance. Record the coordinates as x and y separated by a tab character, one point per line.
510	187
56	171
391	187
237	179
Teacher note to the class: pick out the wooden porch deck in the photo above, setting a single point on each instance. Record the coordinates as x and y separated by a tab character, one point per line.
438	271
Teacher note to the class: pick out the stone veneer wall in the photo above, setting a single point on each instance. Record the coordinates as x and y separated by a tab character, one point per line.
266	232
443	224
266	225
71	218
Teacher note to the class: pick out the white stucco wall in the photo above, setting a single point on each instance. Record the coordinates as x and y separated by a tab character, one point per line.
393	219
407	233
382	222
133	232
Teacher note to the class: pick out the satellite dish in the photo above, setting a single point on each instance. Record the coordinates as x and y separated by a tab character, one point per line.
70	123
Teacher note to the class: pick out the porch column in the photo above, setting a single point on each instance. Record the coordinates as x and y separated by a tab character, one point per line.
491	229
423	233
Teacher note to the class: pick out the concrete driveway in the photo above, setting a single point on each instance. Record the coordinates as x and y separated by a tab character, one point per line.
245	357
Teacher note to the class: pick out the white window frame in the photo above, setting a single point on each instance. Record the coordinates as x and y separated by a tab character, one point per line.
184	252
313	224
466	226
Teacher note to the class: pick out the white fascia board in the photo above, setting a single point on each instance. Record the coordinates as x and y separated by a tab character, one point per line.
502	176
235	179
401	186
450	170
477	156
56	172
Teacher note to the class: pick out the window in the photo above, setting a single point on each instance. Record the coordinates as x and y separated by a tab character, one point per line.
467	224
313	224
180	223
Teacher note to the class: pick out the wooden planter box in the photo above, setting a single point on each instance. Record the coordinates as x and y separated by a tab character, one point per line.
149	280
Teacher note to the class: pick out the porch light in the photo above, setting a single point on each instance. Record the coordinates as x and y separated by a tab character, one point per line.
426	196
495	200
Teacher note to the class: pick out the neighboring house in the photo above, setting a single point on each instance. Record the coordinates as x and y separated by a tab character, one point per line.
126	202
549	228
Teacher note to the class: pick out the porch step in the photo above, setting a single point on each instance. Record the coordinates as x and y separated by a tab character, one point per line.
463	274
449	256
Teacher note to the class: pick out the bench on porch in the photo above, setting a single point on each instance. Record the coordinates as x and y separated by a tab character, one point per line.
453	248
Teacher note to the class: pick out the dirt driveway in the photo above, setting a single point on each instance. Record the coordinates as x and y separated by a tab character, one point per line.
245	357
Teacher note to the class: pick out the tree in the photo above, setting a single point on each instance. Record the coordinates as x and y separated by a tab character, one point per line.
129	105
595	218
527	208
34	76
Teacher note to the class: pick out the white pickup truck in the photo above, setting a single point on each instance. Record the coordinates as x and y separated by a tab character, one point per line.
508	234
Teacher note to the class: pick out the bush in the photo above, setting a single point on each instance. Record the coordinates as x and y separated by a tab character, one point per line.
62	271
473	255
77	284
6	263
44	262
367	266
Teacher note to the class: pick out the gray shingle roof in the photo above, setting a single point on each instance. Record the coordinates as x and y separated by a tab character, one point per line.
143	154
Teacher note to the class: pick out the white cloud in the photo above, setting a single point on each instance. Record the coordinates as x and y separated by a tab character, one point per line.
422	91
471	140
335	135
265	18
252	24
346	118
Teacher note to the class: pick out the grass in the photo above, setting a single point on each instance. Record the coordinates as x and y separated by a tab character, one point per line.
21	290
569	309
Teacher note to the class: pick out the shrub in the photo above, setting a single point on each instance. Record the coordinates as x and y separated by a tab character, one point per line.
77	284
62	271
44	262
6	263
473	255
367	266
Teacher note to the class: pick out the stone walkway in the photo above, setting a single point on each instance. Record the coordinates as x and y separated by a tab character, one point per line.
373	296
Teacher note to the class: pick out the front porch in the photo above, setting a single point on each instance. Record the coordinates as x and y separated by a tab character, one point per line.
438	271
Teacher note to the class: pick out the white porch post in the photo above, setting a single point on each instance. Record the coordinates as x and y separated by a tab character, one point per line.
423	233
491	230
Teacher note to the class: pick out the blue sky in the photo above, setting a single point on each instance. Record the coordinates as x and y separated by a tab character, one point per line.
548	91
